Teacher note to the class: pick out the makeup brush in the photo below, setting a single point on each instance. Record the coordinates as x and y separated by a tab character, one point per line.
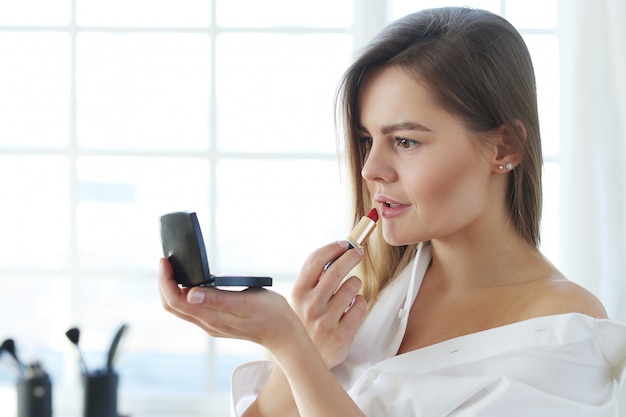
74	335
113	348
9	346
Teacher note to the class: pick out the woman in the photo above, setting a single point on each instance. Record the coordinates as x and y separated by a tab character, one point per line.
457	312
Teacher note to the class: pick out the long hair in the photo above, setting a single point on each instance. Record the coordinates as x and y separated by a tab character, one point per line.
477	67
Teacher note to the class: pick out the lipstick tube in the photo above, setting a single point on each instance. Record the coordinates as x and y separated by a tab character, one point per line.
360	233
363	229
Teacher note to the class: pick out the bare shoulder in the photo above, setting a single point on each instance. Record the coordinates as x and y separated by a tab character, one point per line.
558	295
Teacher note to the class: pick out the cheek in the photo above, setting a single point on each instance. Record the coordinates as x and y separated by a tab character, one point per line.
435	182
450	185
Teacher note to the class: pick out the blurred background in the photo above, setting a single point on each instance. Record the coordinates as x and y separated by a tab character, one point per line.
115	112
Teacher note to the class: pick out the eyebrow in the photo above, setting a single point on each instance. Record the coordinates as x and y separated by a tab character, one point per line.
394	127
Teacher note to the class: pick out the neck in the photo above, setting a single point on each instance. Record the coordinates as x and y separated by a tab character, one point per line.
483	257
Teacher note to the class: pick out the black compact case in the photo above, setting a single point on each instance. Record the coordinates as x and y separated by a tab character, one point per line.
183	246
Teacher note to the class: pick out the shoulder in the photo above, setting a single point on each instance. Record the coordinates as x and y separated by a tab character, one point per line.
558	295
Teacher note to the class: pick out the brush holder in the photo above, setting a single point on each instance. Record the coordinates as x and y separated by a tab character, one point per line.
100	398
34	396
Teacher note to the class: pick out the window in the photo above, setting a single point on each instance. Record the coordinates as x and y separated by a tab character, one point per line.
115	112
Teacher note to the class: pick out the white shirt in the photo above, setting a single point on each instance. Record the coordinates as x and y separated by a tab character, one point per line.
563	365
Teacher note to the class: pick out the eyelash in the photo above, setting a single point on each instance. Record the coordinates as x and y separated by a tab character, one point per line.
403	143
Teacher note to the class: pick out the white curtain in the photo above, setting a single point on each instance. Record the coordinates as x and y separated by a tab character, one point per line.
593	150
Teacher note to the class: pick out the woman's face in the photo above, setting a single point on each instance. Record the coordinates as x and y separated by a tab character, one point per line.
430	179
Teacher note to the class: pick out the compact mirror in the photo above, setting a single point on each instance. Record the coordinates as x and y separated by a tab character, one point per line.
183	246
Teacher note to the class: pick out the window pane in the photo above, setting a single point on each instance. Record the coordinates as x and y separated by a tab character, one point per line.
532	14
159	351
35	308
119	203
119	230
45	307
183	13
275	92
35	86
143	91
35	211
544	50
272	214
404	7
254	13
35	12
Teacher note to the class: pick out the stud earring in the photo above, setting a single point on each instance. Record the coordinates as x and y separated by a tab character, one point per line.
508	166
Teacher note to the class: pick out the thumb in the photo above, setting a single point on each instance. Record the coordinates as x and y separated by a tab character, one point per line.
196	296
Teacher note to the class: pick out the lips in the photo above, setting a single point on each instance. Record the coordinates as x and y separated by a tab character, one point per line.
390	207
386	201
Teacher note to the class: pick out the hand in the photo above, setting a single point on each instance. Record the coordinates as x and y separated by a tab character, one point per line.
330	309
257	315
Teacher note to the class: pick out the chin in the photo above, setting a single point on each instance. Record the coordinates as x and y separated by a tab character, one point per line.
400	240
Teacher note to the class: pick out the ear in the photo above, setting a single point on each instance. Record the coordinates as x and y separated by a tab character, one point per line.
509	142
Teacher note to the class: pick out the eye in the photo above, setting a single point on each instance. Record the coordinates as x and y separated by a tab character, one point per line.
405	143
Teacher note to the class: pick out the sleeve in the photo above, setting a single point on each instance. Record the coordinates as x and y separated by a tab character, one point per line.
613	339
246	383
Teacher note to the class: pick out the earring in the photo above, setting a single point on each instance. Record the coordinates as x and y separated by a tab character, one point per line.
508	166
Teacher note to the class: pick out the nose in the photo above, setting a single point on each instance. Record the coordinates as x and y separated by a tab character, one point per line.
377	165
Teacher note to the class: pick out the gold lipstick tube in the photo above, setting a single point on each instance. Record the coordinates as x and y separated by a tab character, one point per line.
361	232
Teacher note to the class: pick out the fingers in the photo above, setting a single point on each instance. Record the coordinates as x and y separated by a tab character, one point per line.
333	328
344	298
335	274
173	298
171	293
353	318
342	313
250	314
187	301
236	303
315	285
313	267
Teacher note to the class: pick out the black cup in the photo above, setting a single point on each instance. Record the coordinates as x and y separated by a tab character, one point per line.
100	394
34	396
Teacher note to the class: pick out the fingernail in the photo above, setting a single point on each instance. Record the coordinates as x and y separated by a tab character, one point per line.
360	250
195	296
343	244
